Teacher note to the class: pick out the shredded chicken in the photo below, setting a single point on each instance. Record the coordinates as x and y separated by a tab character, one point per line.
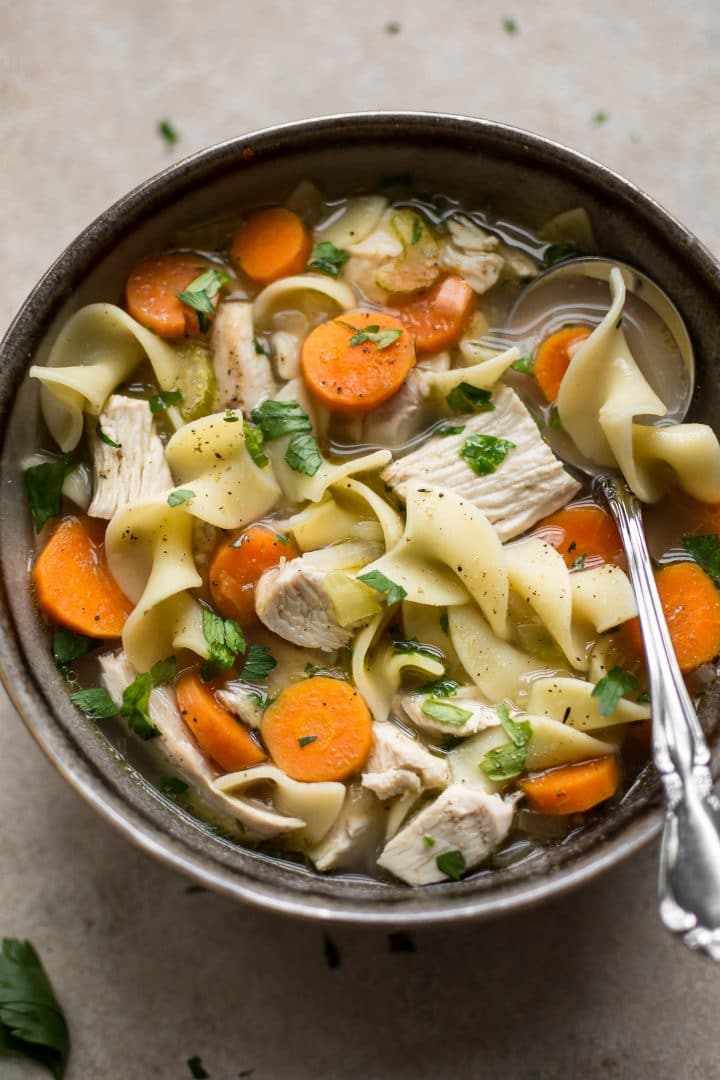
133	468
410	707
243	376
399	763
291	601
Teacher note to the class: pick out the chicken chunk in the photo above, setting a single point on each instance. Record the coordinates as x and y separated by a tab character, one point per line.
396	421
410	707
399	763
243	376
242	700
462	819
527	485
356	832
136	467
291	601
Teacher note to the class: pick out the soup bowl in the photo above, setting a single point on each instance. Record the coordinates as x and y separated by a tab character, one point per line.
527	177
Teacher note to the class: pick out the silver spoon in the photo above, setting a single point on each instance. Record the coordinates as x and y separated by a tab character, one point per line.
689	879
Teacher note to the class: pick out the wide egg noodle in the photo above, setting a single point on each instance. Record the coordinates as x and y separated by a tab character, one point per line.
312	808
482	375
571	702
377	670
496	667
357	219
97	349
287	293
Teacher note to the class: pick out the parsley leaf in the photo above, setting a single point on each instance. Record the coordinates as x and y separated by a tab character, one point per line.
705	550
440	688
412	646
524	364
450	429
68	646
445	713
468	398
303	454
173	786
135	706
579	563
179	496
230	417
278	418
509	25
261	348
168	133
225	640
259	663
554	421
452	864
518	731
557	253
383	339
600	117
612	687
43	487
95	702
484	453
305	740
376	580
508	761
32	1022
327	258
428	840
104	437
417	230
163	400
197	1071
201	292
253	443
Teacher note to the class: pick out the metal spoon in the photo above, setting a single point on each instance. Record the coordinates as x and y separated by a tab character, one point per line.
689	879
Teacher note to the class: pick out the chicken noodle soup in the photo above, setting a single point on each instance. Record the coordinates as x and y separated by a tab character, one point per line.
303	535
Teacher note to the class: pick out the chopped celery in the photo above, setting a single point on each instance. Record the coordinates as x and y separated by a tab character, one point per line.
419	265
196	380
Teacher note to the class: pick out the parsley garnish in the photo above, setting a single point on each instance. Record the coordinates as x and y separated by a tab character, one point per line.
104	437
333	958
197	1071
174	786
278	418
32	1022
376	580
230	417
328	259
557	253
400	941
225	640
43	487
579	563
445	713
508	761
705	550
413	646
392	28
484	453
468	398
136	697
554	421
201	292
179	496
612	687
428	841
68	646
260	347
452	864
383	339
254	442
417	231
259	663
167	132
95	702
305	740
509	25
303	454
643	699
440	688
162	401
600	117
450	429
524	364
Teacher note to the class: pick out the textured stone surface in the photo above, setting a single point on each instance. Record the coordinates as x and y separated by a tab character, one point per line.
149	974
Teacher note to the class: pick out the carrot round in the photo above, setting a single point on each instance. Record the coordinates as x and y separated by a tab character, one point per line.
151	293
217	731
584	535
318	729
271	244
73	584
357	378
691	603
571	789
236	566
553	358
438	318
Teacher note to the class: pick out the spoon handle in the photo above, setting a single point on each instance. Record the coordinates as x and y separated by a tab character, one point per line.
689	883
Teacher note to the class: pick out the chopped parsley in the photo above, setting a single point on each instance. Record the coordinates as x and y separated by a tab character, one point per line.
445	713
376	580
260	347
136	698
162	401
303	454
254	444
305	740
600	117
230	417
484	453
557	253
392	28
197	1071
43	487
327	258
509	26
400	941
428	840
173	786
104	437
201	292
643	699
579	563
333	959
612	687
168	133
417	231
440	688
465	398
554	421
524	364
508	761
450	429
705	550
95	702
68	646
452	864
32	1022
403	648
179	496
225	640
278	418
259	663
383	339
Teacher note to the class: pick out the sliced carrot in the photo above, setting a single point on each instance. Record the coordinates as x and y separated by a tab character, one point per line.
357	378
553	358
318	729
438	318
73	584
217	731
271	244
236	566
584	535
571	789
691	604
151	293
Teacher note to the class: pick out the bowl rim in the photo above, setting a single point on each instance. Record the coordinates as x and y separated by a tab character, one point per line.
19	679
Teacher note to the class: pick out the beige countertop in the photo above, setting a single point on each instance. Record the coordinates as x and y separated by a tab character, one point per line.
150	974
